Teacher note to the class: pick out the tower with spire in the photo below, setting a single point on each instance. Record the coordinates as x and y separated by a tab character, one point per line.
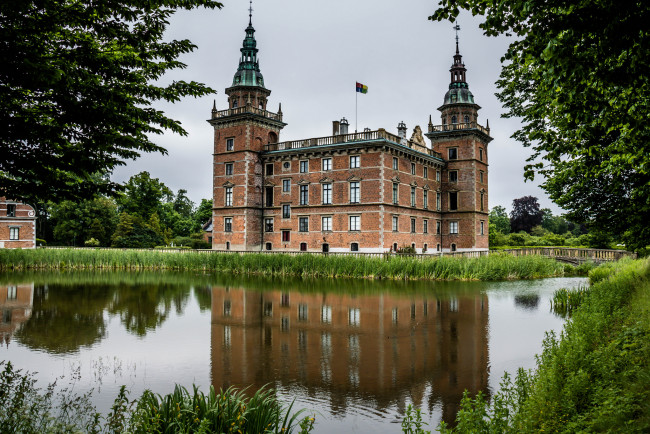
463	143
241	132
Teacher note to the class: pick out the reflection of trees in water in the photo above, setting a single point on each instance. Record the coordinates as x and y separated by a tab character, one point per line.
527	301
145	307
68	317
65	318
203	296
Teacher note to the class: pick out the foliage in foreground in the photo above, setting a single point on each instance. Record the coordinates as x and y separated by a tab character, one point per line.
25	408
492	267
577	75
594	377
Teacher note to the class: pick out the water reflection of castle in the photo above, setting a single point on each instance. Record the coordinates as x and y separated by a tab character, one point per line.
380	347
16	306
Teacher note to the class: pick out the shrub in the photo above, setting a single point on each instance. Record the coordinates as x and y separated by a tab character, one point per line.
93	242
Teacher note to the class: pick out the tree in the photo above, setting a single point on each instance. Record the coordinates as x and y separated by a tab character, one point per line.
144	195
79	81
578	77
75	222
499	217
525	214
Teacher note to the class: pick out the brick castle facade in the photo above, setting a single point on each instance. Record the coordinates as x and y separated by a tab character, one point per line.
370	191
17	225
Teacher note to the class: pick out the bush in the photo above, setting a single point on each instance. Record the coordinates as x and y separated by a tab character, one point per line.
93	242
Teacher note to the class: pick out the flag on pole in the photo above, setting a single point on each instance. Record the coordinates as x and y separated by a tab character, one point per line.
362	88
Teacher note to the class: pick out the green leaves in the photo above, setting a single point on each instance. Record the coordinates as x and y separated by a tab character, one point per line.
79	85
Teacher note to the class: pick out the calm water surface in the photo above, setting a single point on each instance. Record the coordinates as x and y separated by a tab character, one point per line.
355	352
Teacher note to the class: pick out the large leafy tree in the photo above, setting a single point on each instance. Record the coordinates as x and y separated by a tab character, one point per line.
79	82
499	218
525	214
578	76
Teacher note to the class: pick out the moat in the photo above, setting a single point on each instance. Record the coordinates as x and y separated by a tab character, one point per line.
355	352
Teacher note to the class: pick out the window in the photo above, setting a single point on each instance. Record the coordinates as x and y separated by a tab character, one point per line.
466	119
395	223
304	167
395	193
326	223
438	227
227	224
355	192
302	312
412	225
14	233
412	168
482	228
304	195
227	245
453	227
286	185
453	153
11	210
355	162
269	169
327	164
438	201
303	224
481	175
354	247
426	172
226	308
394	247
438	175
268	225
482	207
453	118
326	314
453	201
269	196
426	199
355	223
395	163
327	194
228	168
286	211
354	316
12	292
453	247
412	196
284	299
437	247
425	227
230	144
453	176
228	196
268	309
235	103
286	236
268	246
303	247
286	165
480	154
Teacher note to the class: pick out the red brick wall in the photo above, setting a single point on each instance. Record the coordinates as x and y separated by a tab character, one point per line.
24	220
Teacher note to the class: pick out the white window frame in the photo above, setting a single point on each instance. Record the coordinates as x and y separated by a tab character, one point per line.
413	169
395	163
304	166
227	221
425	199
231	167
14	233
355	192
453	228
355	161
395	193
395	222
354	316
327	193
286	185
228	199
300	224
230	144
355	222
304	195
326	223
286	211
327	164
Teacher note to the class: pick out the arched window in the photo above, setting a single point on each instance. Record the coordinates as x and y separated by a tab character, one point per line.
234	103
354	247
273	137
268	246
466	119
454	120
227	245
453	247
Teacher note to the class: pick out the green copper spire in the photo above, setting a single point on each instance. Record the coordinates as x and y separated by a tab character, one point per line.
248	73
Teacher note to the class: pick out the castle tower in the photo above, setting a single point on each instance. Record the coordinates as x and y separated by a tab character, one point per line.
462	142
240	135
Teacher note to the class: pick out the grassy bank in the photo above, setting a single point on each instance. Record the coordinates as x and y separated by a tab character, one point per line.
594	377
26	408
492	267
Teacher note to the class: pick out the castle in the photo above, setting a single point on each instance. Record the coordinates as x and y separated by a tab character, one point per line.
370	191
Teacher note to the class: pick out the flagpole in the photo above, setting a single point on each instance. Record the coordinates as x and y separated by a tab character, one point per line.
356	112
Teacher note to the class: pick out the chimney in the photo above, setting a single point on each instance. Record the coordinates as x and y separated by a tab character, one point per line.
335	128
401	130
344	126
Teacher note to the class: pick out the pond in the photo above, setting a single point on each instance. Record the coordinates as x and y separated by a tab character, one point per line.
356	352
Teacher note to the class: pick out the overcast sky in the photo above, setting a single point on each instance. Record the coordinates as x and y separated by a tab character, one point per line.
311	55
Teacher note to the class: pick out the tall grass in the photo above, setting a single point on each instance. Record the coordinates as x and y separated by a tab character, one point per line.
594	377
565	301
492	267
25	408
